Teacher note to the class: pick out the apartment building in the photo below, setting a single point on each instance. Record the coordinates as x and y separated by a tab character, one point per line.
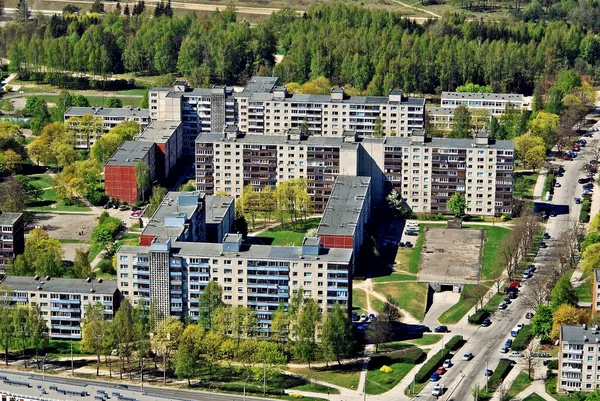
105	119
62	301
348	210
495	103
220	215
12	238
120	173
579	358
442	118
426	171
261	277
596	292
168	137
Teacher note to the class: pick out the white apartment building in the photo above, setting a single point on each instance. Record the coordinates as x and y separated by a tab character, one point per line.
442	118
495	103
579	358
261	277
62	301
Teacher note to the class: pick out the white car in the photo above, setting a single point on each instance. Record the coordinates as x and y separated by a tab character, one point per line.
438	390
412	224
468	356
515	354
447	363
520	325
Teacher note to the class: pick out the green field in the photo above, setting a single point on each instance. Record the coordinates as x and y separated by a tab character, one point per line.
359	300
50	202
344	376
401	362
395	277
97	100
409	258
524	184
492	259
316	388
410	296
290	236
521	383
465	303
41	181
534	397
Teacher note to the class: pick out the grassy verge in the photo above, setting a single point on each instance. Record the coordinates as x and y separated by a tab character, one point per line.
524	184
409	258
73	241
344	376
521	383
491	262
548	185
427	339
401	362
292	236
533	397
395	277
41	181
359	301
50	202
316	388
465	303
411	296
584	291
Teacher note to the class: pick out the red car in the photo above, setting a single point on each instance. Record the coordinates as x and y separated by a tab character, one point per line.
515	283
576	148
441	370
566	157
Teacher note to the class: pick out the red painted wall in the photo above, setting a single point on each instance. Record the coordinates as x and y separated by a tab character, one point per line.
120	183
146	240
337	241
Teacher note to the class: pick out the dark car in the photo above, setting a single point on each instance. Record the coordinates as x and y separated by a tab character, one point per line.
412	233
486	322
354	316
584	180
546	236
488	372
408	244
543	245
528	315
441	329
107	206
401	244
532	268
507	300
512	295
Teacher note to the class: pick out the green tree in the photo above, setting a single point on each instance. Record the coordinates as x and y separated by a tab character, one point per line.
528	148
124	333
210	300
250	203
158	194
461	125
541	323
567	315
271	358
591	258
188	186
457	204
81	265
167	337
97	7
306	329
563	293
141	330
44	253
378	128
188	353
142	177
114	102
7	329
22	13
12	195
94	331
544	125
337	339
36	328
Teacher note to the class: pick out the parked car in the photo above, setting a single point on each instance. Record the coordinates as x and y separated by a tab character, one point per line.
363	318
532	268
441	370
441	329
412	224
447	363
512	295
577	201
543	245
528	315
546	236
438	390
557	184
486	322
488	372
508	343
502	305
354	316
468	356
515	354
411	233
507	300
434	377
588	187
136	215
371	317
584	180
504	350
401	244
408	244
107	206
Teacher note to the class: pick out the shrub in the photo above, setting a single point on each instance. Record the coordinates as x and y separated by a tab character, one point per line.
499	374
455	343
553	364
479	316
431	365
584	214
522	339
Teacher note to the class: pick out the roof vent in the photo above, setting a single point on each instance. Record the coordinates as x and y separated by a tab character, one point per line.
221	253
92	290
36	277
584	326
88	280
40	287
99	280
47	278
585	339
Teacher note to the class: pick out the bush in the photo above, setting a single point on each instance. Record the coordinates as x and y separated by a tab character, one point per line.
553	364
431	365
499	374
98	198
106	267
409	355
584	214
522	339
479	316
238	388
548	185
455	343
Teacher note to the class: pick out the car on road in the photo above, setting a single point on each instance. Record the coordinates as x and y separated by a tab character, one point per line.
441	329
577	201
136	215
546	236
488	372
515	354
528	315
512	295
504	350
520	326
588	187
413	233
468	356
567	157
408	244
507	300
527	275
584	180
543	245
508	343
502	305
412	224
557	184
438	390
434	377
371	317
515	331
486	322
532	268
587	192
354	316
401	244
441	370
447	363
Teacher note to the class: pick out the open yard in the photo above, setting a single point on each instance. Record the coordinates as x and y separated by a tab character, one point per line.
395	277
521	383
467	301
401	362
359	301
411	296
344	376
50	202
291	236
491	262
524	184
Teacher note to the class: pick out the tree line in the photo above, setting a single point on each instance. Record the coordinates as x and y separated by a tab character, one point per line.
370	50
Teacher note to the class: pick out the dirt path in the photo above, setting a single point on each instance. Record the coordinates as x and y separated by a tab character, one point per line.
367	287
418	9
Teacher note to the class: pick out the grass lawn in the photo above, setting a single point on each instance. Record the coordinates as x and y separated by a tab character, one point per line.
316	388
412	297
492	259
290	236
99	100
427	339
395	277
464	304
521	383
73	241
50	202
533	397
41	181
495	301
524	184
584	291
408	258
344	376
359	301
129	239
401	362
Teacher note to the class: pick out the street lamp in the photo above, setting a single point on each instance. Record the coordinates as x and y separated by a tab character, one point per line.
245	387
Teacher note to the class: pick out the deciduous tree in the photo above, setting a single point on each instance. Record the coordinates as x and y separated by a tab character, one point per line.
457	204
94	331
567	315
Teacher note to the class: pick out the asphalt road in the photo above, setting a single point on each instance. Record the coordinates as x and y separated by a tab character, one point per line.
485	342
133	392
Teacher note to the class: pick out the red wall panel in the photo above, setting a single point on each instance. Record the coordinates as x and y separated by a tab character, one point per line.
120	183
146	240
337	241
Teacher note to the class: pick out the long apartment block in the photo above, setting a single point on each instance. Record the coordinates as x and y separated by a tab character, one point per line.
62	301
12	238
579	358
426	171
265	107
174	274
494	103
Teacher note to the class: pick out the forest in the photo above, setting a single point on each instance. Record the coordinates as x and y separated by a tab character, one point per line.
371	51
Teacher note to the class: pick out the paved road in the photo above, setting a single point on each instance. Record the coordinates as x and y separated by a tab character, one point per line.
150	393
485	343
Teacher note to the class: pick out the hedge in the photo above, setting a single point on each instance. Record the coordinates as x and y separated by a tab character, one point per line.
479	316
553	364
436	361
522	339
411	356
499	374
548	184
584	214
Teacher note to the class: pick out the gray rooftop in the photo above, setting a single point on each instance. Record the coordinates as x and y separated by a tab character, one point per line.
216	207
261	84
61	285
256	252
159	131
344	206
302	98
511	97
175	207
129	153
215	137
8	219
107	112
440	111
579	334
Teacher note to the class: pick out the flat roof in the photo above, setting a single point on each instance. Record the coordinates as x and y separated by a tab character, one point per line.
107	112
261	84
62	285
261	252
8	219
129	153
171	207
576	334
440	111
216	207
513	97
344	206
159	131
215	137
267	96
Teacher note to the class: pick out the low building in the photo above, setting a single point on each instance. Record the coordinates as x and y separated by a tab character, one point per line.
578	356
120	173
180	216
442	118
62	301
220	214
168	137
12	238
348	210
174	274
494	103
107	117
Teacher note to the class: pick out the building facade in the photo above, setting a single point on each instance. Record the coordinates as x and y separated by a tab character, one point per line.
442	118
220	215
120	174
62	302
425	171
168	137
12	238
578	358
596	292
103	120
174	274
494	103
